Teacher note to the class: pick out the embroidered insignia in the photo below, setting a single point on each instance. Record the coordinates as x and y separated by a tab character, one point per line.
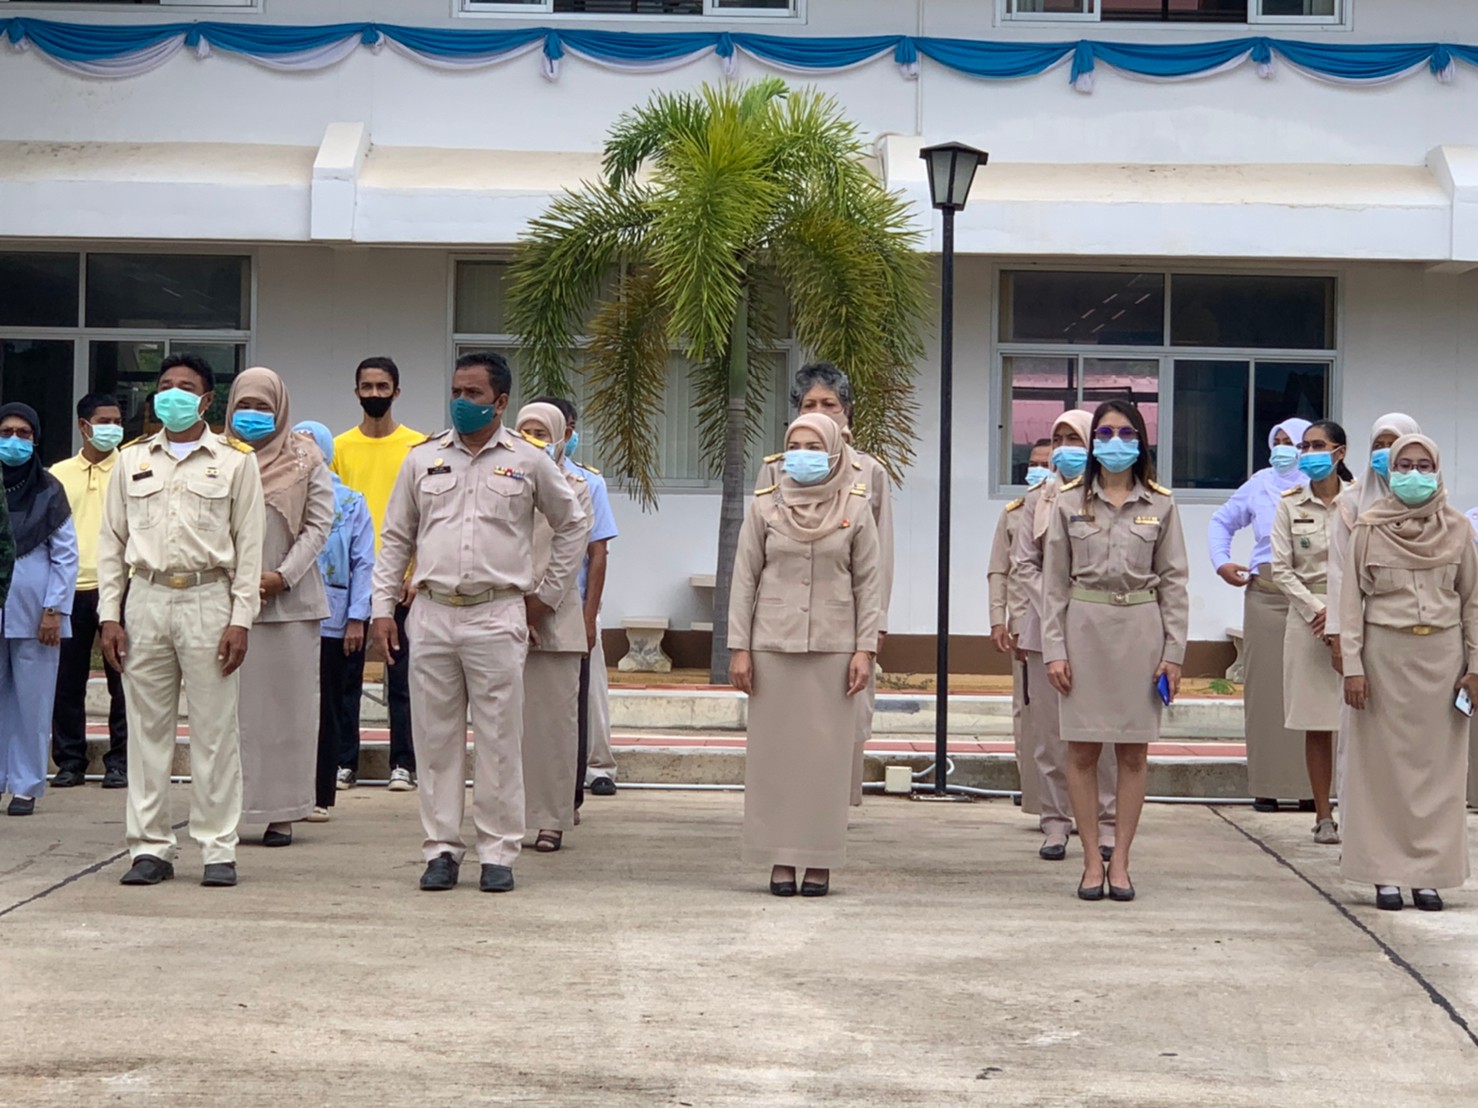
212	471
1011	507
1305	543
859	492
1155	520
856	464
846	523
504	471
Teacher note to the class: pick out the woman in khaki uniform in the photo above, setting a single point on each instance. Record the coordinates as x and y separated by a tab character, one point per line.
803	631
1311	689
1410	636
551	674
1115	614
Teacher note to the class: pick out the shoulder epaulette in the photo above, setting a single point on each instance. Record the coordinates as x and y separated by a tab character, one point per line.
774	457
575	477
765	491
586	468
1293	491
237	444
1155	486
859	490
1074	483
1011	507
428	438
528	438
134	442
856	464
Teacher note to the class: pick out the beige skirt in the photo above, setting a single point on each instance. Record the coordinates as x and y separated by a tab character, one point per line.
1312	691
1275	755
279	722
798	761
1473	764
1114	653
551	739
1026	763
1404	808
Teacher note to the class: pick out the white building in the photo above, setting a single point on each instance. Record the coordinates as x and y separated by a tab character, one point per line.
1232	249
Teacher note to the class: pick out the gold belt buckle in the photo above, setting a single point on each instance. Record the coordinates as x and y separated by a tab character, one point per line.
1121	598
179	580
1421	629
459	601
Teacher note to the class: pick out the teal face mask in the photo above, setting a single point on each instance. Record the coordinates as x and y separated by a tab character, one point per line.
1070	460
469	418
1380	461
1414	488
253	426
1284	458
1116	455
105	437
177	409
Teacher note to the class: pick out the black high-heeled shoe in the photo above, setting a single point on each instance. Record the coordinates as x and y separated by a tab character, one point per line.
1122	895
1091	892
816	888
782	888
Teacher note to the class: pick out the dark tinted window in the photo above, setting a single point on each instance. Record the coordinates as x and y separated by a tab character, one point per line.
38	372
1103	309
198	291
1175	11
1289	313
38	290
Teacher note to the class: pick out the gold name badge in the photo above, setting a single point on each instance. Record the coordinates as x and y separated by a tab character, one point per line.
1155	520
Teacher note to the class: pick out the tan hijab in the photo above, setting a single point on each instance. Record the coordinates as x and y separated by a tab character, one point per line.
811	512
1082	422
1427	536
548	415
287	458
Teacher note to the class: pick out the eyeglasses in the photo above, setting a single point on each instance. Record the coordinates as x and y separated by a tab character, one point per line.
1406	465
1106	434
17	433
1317	445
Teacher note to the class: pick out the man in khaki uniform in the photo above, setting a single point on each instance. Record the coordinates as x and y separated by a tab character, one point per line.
463	511
184	515
822	387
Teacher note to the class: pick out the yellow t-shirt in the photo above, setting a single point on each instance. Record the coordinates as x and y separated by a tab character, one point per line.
86	485
370	466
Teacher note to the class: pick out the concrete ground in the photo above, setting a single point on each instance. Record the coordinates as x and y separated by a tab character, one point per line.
644	965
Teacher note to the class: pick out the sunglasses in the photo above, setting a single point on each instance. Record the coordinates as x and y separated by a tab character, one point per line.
1107	434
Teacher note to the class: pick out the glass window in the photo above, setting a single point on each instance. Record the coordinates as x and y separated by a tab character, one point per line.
1210	450
154	291
637	7
129	370
1299	9
1257	312
1186	11
1286	390
38	290
1026	8
38	372
1106	309
481	306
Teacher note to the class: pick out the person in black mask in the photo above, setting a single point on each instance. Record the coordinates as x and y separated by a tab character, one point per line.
368	459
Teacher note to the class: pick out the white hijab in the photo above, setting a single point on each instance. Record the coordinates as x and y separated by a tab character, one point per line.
1369	492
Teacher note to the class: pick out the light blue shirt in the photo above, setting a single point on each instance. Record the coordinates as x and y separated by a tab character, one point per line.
604	526
347	562
1253	505
44	578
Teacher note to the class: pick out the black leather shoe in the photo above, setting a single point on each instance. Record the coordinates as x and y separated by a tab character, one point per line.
1123	896
1265	804
277	838
495	879
1426	902
67	779
441	873
115	779
147	870
1090	892
1388	902
21	806
603	786
1106	853
1051	851
816	888
219	875
782	888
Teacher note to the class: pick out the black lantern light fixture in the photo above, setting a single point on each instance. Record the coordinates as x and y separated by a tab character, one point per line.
952	167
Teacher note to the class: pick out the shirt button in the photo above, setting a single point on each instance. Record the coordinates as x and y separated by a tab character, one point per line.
805	580
804	608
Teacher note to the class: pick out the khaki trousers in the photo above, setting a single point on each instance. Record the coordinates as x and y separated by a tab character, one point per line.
551	739
1042	736
600	762
174	635
461	659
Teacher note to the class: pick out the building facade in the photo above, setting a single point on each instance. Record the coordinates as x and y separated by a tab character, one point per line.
1282	235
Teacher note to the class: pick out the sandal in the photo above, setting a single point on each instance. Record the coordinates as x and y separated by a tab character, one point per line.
549	841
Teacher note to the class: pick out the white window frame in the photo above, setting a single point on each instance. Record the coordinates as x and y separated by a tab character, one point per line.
544	9
460	342
1341	20
82	336
1166	355
52	7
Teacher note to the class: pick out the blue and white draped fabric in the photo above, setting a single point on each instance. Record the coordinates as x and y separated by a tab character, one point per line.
128	50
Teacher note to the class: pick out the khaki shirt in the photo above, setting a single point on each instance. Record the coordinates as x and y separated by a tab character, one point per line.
1386	596
204	511
1346	508
805	597
296	556
1091	544
1301	533
879	497
564	631
467	521
1025	596
1000	581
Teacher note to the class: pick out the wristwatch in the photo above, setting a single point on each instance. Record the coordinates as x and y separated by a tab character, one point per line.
49	612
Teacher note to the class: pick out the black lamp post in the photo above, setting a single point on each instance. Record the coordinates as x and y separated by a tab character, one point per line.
951	168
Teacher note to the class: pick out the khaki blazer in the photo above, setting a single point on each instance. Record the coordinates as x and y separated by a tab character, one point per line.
564	631
296	556
1302	529
1000	579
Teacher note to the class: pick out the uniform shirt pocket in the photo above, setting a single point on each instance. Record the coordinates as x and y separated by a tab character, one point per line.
144	502
511	498
207	503
1386	579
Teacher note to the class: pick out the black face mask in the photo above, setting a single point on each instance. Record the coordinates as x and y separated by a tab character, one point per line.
375	406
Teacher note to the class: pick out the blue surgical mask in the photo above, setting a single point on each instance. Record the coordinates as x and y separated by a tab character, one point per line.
469	418
1035	475
252	426
16	451
105	437
1284	458
552	449
1070	460
177	409
1414	488
1380	461
1317	466
573	444
807	467
1116	455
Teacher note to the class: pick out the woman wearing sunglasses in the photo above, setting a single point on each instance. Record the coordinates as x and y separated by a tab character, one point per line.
1311	689
1410	637
1114	619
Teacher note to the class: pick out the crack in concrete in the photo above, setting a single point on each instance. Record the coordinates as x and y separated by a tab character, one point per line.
1434	994
86	871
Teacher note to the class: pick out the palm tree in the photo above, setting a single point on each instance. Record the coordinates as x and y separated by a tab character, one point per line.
712	206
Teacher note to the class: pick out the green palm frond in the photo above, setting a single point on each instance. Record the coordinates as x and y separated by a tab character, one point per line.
561	263
644	134
627	366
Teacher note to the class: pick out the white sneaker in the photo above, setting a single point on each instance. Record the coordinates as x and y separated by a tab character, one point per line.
1326	832
318	815
401	780
346	779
